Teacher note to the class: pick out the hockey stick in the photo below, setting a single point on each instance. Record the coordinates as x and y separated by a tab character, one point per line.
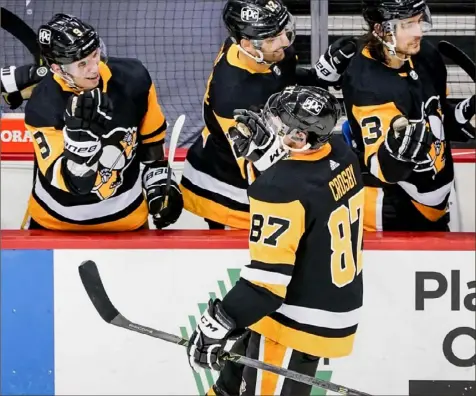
94	287
19	29
171	155
459	57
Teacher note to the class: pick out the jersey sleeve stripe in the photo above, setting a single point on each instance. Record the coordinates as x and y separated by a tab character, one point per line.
285	269
321	318
158	131
257	275
375	168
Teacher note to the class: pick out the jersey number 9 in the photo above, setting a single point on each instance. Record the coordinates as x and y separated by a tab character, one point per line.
344	266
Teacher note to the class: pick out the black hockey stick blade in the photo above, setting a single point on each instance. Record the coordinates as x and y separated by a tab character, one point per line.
92	282
18	28
89	274
459	57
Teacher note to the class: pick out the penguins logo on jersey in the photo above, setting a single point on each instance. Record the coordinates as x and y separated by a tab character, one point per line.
434	115
118	152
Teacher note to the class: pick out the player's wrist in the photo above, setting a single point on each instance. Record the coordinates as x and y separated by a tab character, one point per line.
215	323
273	153
325	71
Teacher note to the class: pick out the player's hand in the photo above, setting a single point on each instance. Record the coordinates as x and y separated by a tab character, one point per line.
89	111
165	210
409	142
332	64
464	112
87	118
207	343
18	82
252	140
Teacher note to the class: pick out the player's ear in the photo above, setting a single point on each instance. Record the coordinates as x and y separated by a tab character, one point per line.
378	29
56	68
246	45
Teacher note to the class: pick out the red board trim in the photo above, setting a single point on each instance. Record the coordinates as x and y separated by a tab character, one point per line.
459	156
180	155
205	239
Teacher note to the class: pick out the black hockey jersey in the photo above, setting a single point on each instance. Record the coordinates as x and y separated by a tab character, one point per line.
400	196
303	287
214	183
116	202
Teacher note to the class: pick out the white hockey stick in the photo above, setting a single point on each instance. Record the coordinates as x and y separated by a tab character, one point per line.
170	158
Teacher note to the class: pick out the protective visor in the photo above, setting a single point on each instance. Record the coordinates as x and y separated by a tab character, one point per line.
87	67
275	124
410	26
278	42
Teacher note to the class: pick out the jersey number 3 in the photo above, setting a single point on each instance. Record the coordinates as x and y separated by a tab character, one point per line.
344	266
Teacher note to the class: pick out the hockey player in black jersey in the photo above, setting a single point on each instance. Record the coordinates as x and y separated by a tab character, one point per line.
93	123
395	94
256	61
301	293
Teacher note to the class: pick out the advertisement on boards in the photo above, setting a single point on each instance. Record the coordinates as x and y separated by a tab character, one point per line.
416	335
454	292
14	136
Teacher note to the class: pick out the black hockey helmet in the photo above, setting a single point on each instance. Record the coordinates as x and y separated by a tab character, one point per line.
66	39
255	19
312	110
378	11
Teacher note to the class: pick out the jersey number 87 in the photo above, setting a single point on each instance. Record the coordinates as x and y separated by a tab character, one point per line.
344	266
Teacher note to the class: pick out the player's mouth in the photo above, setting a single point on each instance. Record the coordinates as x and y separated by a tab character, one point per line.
93	79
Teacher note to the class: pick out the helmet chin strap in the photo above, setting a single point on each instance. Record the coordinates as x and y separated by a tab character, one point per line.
66	77
258	59
295	150
392	46
306	147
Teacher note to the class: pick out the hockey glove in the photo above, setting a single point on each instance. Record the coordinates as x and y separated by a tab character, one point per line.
207	343
409	142
87	119
332	64
464	111
164	210
252	140
18	82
